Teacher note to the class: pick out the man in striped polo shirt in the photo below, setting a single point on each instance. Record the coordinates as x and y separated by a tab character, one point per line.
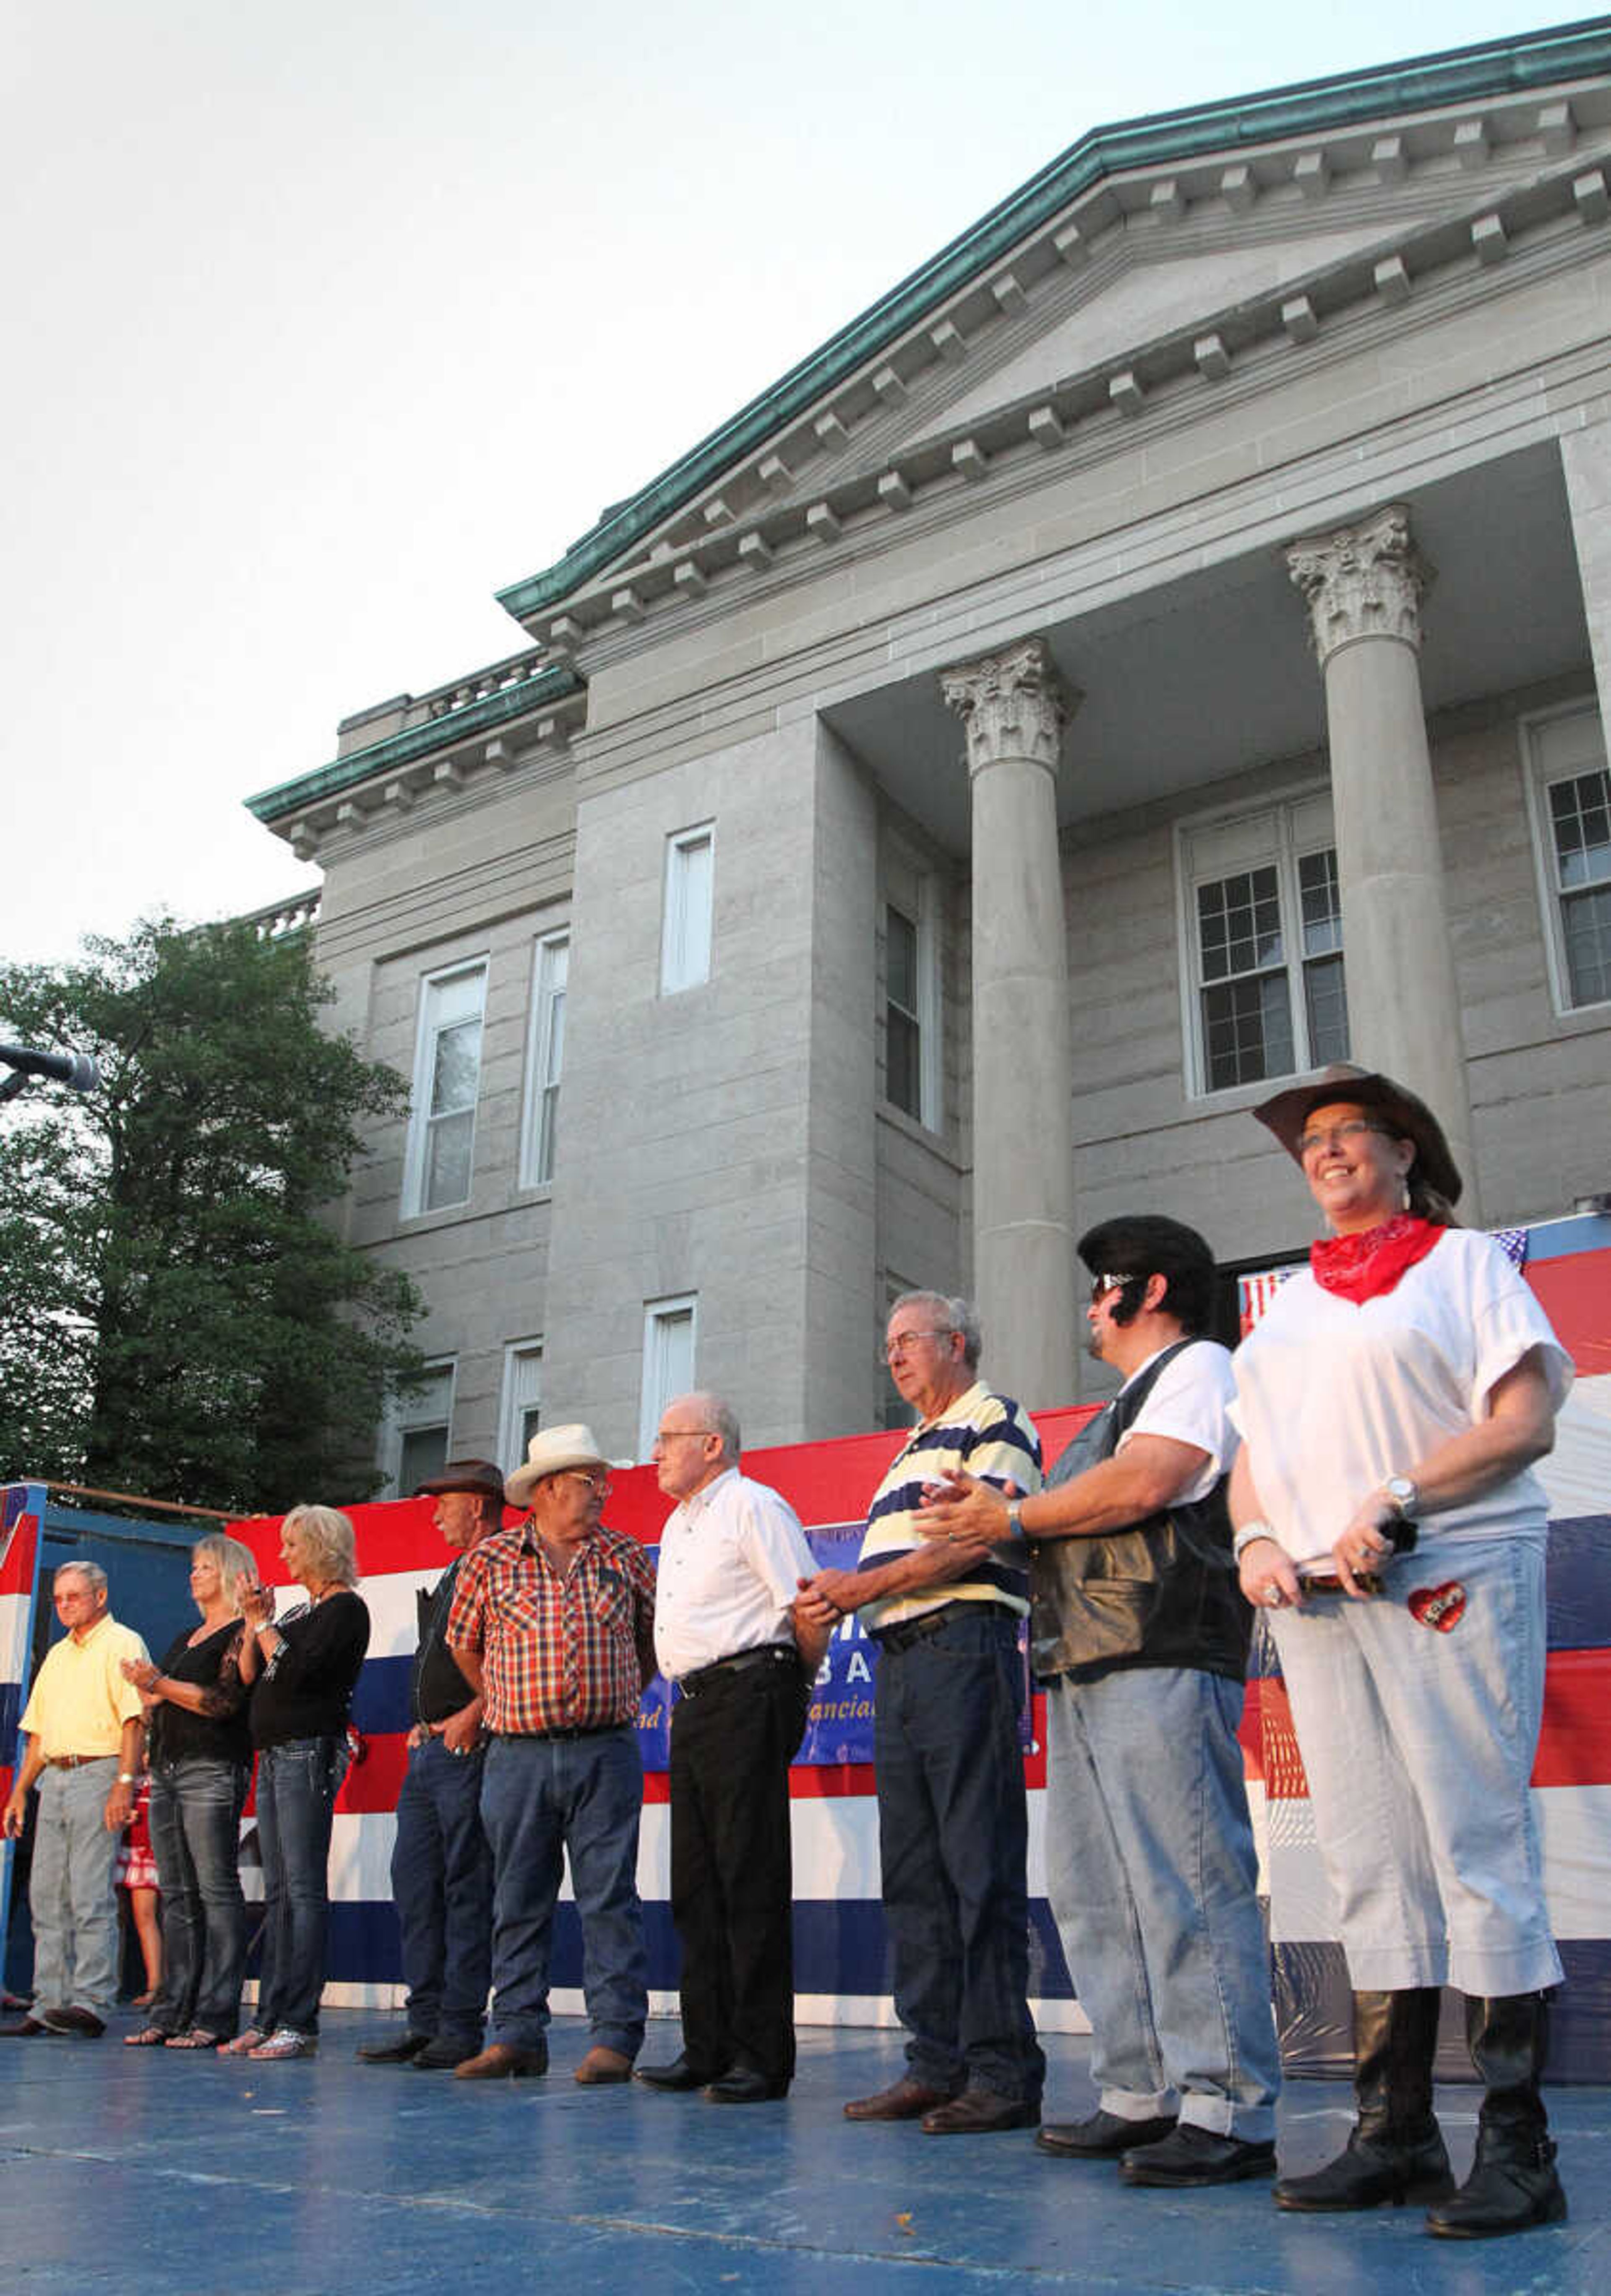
952	1821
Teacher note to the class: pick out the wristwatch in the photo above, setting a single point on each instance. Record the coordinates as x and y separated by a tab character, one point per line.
1248	1533
1015	1522
1406	1499
127	1778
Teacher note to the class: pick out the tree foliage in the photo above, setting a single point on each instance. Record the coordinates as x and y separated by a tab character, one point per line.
180	1315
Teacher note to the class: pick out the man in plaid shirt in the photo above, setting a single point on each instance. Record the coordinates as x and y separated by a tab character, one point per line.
553	1625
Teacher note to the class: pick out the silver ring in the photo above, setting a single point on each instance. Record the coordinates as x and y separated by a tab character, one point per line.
1271	1598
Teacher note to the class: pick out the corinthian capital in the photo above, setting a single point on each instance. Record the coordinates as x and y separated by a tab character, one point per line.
1011	704
1364	581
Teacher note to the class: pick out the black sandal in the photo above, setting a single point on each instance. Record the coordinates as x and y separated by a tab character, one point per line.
149	2037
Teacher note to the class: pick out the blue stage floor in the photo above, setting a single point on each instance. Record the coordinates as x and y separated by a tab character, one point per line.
145	2171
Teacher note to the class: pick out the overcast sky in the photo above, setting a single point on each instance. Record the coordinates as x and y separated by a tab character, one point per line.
326	319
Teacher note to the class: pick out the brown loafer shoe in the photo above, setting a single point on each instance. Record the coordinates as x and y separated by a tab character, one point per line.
28	2030
501	2061
602	2065
83	2022
979	2112
904	2100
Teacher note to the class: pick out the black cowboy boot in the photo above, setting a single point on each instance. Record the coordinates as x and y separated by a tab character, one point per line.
1394	2150
1513	2184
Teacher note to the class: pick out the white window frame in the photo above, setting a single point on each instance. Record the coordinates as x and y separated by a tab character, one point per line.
1277	831
544	1056
912	892
688	911
522	1391
405	1413
1558	745
667	1366
416	1152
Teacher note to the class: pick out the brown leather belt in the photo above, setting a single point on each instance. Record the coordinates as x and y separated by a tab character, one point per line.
75	1762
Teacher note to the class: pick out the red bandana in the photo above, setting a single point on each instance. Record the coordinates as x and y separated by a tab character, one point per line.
1361	1267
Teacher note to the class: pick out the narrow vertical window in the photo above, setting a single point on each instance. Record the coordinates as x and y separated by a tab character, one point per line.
417	1430
1570	792
521	1413
685	944
545	1057
667	1362
912	1068
439	1159
902	1026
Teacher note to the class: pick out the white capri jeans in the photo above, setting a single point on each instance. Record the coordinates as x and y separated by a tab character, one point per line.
1419	1748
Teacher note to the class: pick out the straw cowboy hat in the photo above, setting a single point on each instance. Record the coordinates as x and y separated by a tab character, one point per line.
551	1450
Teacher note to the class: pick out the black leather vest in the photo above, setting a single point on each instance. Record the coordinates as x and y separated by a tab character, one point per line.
1163	1592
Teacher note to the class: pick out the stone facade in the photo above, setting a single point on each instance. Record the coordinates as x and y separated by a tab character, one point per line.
962	784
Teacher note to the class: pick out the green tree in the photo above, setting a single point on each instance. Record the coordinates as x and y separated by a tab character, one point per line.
179	1315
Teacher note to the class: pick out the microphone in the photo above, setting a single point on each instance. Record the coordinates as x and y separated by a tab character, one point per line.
77	1071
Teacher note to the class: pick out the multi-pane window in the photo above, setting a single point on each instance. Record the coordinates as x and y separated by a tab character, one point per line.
902	1026
667	1362
522	1404
447	1077
1265	933
414	1441
1571	794
685	941
911	989
544	1056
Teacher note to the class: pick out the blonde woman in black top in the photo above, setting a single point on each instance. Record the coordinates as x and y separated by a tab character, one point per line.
200	1762
304	1666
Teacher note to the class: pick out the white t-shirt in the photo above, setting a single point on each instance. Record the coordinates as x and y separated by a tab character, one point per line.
731	1559
1190	1403
1334	1398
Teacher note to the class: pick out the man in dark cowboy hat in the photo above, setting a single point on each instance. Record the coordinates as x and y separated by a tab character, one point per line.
441	1863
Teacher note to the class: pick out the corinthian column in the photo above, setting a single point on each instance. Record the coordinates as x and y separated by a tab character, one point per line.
1015	707
1364	585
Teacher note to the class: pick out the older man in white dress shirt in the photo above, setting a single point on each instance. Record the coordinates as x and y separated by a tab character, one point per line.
732	1556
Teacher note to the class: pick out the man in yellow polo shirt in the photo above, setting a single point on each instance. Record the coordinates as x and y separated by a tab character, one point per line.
85	1729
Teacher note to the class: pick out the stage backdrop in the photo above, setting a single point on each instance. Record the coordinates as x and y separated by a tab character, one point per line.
840	1954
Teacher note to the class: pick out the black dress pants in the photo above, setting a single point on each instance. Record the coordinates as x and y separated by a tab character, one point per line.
731	1879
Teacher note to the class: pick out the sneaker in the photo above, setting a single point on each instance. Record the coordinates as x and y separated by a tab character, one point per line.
285	2044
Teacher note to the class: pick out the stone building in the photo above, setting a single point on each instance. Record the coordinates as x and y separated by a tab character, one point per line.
1156	649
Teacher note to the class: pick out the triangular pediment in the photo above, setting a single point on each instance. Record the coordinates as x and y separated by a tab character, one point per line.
1148	257
1140	301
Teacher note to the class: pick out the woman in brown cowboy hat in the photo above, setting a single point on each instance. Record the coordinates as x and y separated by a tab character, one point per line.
1391	1401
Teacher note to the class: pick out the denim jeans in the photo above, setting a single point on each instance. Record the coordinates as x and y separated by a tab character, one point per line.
442	1883
195	1836
1152	1876
1418	1750
297	1786
953	1842
70	1894
541	1796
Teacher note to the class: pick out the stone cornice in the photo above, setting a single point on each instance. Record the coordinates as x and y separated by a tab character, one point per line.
1313	316
449	744
1481	85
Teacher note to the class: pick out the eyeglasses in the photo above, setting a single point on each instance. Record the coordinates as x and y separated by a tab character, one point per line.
683	1434
1103	1284
1340	1135
902	1342
599	1485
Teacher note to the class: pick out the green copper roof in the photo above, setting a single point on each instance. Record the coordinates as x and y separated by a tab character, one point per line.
478	717
1534	59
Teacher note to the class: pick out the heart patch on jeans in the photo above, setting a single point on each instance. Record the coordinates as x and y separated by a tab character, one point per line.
1441	1608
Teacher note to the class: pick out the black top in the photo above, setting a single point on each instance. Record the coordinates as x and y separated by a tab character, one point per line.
306	1690
437	1688
220	1733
